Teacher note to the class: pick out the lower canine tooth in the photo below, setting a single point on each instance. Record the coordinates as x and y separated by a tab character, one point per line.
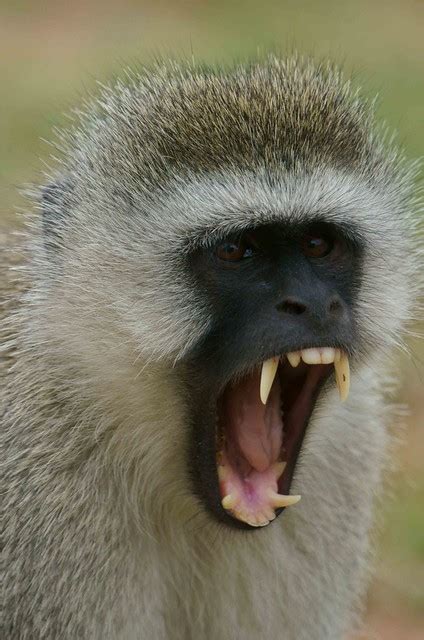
228	502
269	513
279	500
269	369
342	370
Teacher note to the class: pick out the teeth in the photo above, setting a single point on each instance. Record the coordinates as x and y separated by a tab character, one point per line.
269	369
264	515
322	355
279	500
294	358
228	502
341	367
269	514
257	523
311	356
328	355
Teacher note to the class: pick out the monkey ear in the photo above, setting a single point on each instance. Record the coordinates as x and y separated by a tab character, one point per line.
55	206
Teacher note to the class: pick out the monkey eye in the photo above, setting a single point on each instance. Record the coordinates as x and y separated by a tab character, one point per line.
234	251
315	246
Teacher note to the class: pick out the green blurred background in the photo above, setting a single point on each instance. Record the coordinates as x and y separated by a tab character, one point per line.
53	52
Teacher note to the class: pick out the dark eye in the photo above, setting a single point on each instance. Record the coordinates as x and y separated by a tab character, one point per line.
233	251
316	246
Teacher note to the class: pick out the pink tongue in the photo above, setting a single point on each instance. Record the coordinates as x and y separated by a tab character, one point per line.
255	429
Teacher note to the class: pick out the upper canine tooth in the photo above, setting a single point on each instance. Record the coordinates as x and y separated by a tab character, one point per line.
311	356
342	370
269	369
294	358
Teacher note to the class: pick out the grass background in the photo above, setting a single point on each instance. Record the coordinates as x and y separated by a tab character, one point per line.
53	52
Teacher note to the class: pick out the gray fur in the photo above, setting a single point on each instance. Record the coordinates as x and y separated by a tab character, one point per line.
104	537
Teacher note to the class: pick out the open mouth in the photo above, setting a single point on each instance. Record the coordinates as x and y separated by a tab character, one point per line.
262	420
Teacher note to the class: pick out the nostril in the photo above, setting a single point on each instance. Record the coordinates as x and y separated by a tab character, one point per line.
335	305
291	306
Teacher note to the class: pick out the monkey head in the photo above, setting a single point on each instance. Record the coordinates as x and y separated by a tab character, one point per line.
225	251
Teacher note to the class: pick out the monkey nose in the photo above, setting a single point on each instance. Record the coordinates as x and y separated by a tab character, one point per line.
320	306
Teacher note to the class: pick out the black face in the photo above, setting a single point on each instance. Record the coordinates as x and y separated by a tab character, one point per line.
273	290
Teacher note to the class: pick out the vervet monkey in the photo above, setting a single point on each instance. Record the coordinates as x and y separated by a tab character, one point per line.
223	264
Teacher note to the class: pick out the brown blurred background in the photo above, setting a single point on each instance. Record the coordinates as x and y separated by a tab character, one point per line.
53	52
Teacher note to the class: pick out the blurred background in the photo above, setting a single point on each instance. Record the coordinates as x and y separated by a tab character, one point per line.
53	52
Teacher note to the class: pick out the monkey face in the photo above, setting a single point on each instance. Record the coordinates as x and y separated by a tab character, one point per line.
283	325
